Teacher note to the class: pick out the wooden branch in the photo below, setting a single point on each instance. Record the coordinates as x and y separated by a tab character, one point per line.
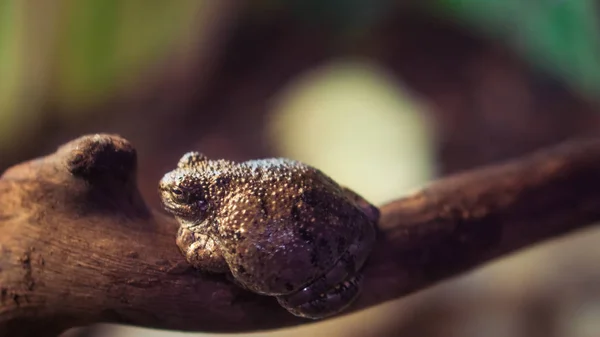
79	246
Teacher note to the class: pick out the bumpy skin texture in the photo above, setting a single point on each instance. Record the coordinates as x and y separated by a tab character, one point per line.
282	228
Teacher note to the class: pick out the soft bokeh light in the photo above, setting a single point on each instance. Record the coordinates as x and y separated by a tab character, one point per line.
354	122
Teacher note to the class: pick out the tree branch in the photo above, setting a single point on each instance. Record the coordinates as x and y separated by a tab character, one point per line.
79	246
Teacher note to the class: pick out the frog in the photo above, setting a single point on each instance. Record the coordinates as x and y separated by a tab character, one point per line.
276	226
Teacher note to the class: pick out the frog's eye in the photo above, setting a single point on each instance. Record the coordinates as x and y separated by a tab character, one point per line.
178	194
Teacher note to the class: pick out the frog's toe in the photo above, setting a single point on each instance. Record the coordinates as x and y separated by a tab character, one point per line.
201	251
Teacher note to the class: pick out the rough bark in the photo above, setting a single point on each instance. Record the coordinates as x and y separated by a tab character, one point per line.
79	245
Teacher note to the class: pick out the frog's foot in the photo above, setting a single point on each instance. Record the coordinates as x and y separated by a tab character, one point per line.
201	251
338	288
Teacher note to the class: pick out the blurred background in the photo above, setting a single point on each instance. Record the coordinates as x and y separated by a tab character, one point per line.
382	95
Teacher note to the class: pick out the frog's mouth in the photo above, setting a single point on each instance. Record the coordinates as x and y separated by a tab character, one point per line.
190	214
175	209
336	289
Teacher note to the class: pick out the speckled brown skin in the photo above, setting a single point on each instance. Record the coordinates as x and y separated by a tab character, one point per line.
282	228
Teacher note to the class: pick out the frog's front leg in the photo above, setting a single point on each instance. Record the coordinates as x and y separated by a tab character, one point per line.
201	251
371	211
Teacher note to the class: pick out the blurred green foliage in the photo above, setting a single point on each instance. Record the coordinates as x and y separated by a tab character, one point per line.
561	36
9	66
107	43
75	53
347	17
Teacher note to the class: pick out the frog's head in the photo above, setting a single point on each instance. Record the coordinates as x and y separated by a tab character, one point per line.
182	195
184	190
